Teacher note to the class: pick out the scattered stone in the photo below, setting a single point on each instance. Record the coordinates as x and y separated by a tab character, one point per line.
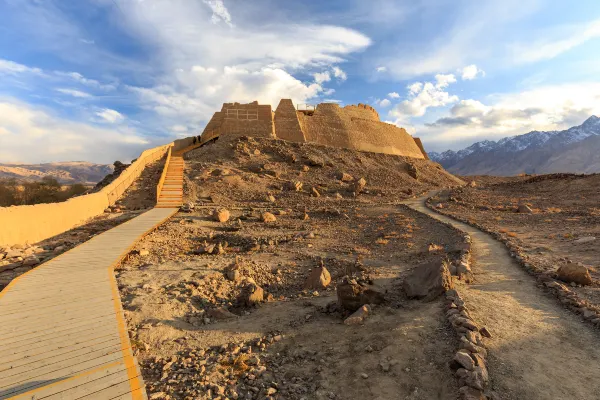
221	214
345	177
428	281
338	196
220	313
315	193
251	295
413	172
14	253
268	217
463	358
352	295
31	261
524	209
271	198
359	316
144	252
574	273
464	273
485	332
232	272
319	278
305	168
473	184
469	393
586	239
295	186
359	185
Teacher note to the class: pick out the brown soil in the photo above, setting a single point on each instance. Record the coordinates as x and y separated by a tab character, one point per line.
294	345
565	209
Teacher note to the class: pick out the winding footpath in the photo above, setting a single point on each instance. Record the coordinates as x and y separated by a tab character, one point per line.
62	328
539	350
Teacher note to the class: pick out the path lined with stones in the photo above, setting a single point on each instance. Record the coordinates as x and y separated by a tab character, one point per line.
539	350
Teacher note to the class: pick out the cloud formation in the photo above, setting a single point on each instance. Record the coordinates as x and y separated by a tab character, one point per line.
471	72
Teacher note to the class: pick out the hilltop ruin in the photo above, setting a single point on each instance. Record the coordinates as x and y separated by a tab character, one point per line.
355	127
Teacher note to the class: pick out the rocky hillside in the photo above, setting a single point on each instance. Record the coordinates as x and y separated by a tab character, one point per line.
65	172
573	150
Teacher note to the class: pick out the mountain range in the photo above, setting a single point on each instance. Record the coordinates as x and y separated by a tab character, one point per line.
64	172
576	150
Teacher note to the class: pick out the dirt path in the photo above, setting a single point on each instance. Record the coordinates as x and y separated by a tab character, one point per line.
539	350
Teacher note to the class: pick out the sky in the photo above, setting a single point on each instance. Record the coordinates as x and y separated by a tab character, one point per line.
101	80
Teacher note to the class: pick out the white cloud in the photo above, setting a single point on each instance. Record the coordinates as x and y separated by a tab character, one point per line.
444	80
220	12
12	68
381	69
339	73
321	77
393	95
553	44
546	108
206	65
32	134
422	96
111	116
74	93
383	103
471	72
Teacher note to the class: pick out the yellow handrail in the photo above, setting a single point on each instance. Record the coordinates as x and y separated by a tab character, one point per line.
161	182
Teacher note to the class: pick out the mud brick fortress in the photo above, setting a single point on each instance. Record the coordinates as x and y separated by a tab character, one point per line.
356	127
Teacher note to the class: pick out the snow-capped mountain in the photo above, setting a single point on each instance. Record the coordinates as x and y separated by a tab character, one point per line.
529	153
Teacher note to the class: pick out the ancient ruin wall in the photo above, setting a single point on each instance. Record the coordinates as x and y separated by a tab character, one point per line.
358	128
420	144
287	122
251	119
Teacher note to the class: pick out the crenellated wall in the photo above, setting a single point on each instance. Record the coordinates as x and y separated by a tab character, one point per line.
355	127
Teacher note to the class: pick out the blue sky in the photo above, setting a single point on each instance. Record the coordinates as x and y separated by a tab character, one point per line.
101	80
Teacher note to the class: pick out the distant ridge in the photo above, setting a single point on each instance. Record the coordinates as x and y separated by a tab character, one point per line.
65	172
576	149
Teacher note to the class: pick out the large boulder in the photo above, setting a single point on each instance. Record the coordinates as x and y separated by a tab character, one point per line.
251	295
318	279
221	214
574	273
352	295
428	281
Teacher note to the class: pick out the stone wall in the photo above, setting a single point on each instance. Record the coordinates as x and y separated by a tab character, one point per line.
420	144
287	122
354	127
250	119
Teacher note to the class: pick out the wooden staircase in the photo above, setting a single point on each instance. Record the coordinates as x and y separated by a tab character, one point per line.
170	193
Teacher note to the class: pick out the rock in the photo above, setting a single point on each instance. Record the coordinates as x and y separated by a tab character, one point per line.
428	281
463	358
31	261
524	209
144	252
268	217
305	217
359	185
251	295
464	273
359	316
345	177
221	214
305	168
232	272
319	278
338	196
468	393
295	186
14	253
220	313
413	172
574	273
158	396
59	249
586	239
485	332
271	198
315	193
220	172
352	295
473	184
189	206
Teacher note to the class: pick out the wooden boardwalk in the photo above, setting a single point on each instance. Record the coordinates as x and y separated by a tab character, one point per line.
62	330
